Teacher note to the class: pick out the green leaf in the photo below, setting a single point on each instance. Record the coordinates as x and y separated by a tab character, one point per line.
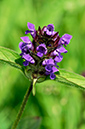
11	57
29	123
70	78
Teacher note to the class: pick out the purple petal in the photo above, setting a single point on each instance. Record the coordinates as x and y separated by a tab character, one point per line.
28	31
54	53
25	39
47	73
49	32
31	26
66	38
58	58
26	63
48	68
50	61
28	58
42	48
62	50
52	76
54	69
20	45
50	27
39	54
44	62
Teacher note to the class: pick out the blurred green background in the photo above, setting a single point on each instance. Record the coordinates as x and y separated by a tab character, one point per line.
58	106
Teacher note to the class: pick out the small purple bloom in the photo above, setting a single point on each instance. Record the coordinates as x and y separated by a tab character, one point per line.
26	63
61	50
25	39
31	30
28	58
49	29
46	43
31	26
54	69
41	50
48	68
24	47
52	76
48	62
65	39
58	58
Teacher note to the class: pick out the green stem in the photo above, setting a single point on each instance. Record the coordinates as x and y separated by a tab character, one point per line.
22	106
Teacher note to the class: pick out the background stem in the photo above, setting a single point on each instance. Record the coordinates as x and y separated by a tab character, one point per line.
22	106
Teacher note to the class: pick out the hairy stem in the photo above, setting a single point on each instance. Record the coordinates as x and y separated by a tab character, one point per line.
22	106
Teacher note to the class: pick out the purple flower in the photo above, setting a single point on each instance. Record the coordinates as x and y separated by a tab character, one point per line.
65	39
50	67
52	76
27	42
58	58
46	43
31	30
41	50
23	47
49	29
28	59
48	62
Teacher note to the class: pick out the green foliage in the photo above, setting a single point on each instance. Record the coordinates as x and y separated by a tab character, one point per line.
71	79
29	123
59	106
11	57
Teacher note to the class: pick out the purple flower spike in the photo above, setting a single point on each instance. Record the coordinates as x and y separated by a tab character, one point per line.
46	44
52	76
41	50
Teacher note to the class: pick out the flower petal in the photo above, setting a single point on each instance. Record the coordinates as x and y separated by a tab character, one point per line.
62	50
26	63
54	69
28	31
52	76
58	58
66	38
50	27
31	26
28	58
39	54
20	45
48	68
25	39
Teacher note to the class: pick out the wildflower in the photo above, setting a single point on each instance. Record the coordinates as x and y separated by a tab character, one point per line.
41	55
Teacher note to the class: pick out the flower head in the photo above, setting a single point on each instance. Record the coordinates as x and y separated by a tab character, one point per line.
42	54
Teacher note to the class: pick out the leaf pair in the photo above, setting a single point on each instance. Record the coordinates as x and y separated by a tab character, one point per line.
14	59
